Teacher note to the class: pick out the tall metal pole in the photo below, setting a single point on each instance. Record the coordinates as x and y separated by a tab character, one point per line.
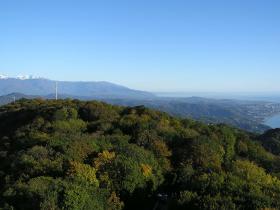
55	90
14	99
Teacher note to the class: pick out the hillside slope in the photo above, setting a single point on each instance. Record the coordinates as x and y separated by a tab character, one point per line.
241	114
69	154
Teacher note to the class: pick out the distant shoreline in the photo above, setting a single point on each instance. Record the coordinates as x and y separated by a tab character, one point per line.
273	121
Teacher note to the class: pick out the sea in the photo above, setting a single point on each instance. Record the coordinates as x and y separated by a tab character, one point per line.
273	122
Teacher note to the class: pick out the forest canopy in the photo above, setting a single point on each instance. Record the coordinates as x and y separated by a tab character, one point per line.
77	155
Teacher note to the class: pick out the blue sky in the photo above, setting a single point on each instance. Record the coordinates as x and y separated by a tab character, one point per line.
155	45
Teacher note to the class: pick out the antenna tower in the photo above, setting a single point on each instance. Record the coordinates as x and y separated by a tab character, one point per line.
55	90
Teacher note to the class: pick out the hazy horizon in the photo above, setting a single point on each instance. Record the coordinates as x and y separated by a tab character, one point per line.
167	93
253	96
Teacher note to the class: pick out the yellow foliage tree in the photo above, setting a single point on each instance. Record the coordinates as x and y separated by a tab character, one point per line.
146	170
103	158
83	172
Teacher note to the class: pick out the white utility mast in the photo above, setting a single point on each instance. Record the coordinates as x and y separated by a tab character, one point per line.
55	90
14	99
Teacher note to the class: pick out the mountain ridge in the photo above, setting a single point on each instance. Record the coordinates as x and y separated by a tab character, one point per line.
42	86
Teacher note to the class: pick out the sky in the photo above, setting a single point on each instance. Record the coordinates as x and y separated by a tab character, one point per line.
153	45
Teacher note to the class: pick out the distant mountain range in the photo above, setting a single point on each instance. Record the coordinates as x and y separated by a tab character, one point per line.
93	90
248	115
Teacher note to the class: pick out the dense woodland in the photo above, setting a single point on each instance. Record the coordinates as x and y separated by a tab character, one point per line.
74	155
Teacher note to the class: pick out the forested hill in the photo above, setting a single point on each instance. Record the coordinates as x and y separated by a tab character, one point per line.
69	154
246	115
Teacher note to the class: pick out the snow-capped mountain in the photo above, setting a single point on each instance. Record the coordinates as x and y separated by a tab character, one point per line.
2	76
21	77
